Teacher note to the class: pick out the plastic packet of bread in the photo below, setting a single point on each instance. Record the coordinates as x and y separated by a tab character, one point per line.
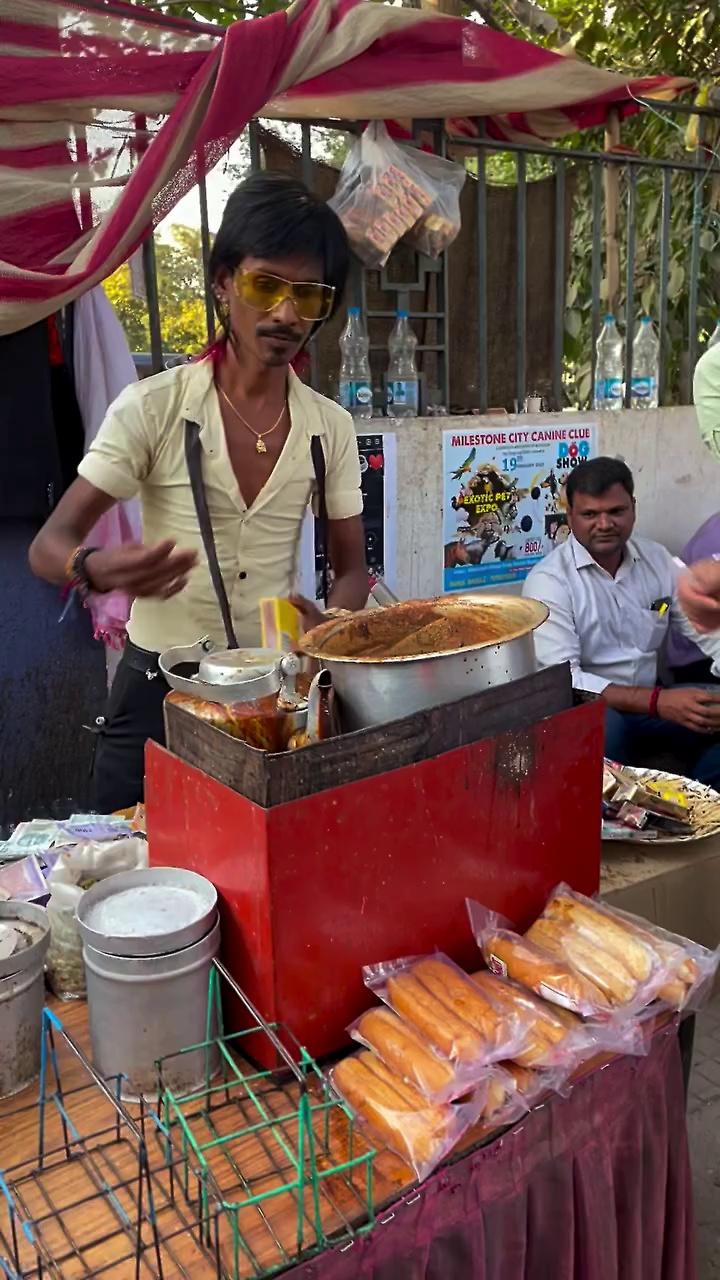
396	1115
504	1103
669	968
553	1038
408	1054
510	955
535	1084
440	1002
513	1091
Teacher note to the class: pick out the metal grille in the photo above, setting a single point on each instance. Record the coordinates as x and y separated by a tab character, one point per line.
648	184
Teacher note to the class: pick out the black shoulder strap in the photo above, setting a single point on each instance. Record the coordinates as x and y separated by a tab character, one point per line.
193	457
319	467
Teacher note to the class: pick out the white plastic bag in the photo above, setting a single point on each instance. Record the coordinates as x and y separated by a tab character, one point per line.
387	190
436	229
76	870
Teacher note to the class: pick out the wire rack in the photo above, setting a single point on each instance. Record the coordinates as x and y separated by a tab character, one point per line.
273	1155
87	1205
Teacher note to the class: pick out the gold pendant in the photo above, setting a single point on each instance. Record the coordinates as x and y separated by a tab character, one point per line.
260	446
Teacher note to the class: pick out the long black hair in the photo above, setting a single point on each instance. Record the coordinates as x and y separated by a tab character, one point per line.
273	215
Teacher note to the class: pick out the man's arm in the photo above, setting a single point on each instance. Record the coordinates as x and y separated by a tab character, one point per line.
77	512
347	557
698	592
346	536
141	571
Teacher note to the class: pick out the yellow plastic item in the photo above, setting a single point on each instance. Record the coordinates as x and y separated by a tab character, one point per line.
665	792
280	623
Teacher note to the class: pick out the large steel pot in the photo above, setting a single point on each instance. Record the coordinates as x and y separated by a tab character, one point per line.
382	671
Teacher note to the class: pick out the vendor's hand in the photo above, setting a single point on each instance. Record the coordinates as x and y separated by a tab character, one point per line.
695	709
310	615
159	571
699	594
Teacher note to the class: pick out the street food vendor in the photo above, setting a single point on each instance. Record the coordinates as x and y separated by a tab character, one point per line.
611	598
278	267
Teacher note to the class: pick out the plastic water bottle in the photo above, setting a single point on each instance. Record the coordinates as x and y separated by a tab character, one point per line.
355	386
402	378
609	367
646	353
714	337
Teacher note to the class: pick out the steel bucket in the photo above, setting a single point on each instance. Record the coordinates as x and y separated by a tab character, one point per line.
381	673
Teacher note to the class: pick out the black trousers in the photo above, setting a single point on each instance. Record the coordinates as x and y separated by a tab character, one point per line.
134	713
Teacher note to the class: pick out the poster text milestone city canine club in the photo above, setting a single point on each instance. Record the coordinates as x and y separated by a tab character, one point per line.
504	501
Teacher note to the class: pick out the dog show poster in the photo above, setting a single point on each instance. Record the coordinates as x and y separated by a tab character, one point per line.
504	504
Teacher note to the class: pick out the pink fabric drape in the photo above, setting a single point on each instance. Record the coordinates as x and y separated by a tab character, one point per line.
103	367
596	1186
108	116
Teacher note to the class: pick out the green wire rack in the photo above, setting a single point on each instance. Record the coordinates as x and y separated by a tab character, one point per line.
282	1172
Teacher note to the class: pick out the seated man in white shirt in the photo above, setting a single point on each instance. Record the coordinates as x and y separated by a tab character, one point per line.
611	599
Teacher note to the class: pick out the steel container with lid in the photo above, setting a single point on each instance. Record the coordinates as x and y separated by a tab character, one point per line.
24	940
149	940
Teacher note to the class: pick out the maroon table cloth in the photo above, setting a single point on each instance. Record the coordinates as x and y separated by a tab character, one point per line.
596	1186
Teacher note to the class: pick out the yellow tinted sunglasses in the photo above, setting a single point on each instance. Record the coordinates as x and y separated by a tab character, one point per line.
264	292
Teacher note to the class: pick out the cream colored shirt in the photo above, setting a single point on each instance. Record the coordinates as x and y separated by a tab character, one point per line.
140	449
706	394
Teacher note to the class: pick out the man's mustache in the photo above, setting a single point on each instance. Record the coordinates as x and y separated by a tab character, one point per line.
280	332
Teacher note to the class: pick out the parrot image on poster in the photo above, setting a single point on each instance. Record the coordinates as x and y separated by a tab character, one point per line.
466	466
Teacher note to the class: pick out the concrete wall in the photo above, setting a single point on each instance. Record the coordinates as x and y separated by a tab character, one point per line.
677	480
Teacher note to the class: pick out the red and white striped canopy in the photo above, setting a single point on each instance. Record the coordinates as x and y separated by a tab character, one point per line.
109	113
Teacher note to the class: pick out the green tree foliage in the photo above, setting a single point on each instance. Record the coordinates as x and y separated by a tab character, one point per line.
181	292
639	37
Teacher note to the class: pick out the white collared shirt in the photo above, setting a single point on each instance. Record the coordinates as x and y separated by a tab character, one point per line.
140	449
605	627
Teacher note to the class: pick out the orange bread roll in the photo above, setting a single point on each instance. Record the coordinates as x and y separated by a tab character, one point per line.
388	1116
459	994
542	973
674	993
545	1026
499	1091
524	1079
404	1051
451	1035
435	1115
610	935
598	966
547	1020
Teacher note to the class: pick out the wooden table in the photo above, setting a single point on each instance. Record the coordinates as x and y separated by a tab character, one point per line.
476	1208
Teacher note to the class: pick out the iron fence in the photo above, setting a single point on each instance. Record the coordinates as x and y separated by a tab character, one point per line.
664	200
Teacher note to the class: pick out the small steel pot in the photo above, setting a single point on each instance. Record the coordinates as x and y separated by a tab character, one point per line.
495	646
222	675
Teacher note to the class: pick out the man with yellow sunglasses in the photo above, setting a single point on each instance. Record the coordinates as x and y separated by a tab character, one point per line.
257	442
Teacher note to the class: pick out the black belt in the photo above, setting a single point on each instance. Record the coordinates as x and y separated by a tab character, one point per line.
141	660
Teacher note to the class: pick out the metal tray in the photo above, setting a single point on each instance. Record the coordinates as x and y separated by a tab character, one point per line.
698	794
37	916
147	912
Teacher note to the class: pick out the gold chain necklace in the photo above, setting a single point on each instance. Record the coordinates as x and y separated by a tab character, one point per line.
260	446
